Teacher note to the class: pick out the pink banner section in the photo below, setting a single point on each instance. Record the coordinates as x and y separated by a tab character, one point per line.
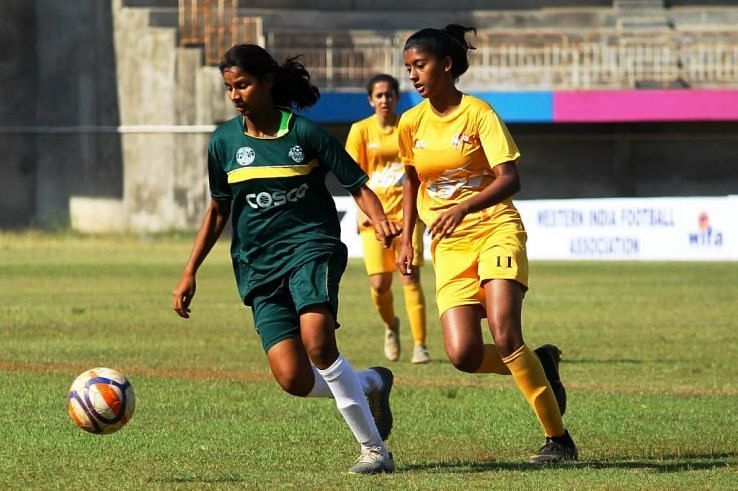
607	106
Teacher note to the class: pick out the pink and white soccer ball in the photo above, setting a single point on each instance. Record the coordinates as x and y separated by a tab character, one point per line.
101	400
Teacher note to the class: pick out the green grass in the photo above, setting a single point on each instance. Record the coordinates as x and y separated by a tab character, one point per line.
650	362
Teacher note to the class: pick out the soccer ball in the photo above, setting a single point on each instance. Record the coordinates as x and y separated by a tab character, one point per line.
101	400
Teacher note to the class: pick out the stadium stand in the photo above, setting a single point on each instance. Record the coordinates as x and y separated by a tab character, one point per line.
139	94
577	45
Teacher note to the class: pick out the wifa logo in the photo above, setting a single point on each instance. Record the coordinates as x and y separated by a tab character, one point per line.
707	236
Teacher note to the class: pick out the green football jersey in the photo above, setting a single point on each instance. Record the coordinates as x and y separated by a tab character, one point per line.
283	214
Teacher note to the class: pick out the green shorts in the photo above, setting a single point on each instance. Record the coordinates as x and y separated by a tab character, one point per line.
276	306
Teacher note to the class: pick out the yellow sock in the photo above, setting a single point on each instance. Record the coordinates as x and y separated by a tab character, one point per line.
384	302
528	373
415	306
492	362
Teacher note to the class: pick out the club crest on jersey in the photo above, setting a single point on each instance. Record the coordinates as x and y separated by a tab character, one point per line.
457	139
420	144
297	154
245	156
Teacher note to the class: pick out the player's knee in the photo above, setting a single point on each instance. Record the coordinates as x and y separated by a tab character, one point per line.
507	337
413	279
381	283
295	385
507	343
465	360
322	356
465	365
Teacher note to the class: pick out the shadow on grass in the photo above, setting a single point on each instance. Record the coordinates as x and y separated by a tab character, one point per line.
607	361
225	479
664	463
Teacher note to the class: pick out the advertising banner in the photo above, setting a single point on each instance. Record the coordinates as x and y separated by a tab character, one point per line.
655	229
689	228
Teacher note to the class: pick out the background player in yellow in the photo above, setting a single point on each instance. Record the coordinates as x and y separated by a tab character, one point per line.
372	142
461	172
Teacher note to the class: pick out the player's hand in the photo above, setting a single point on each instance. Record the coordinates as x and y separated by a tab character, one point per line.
182	295
446	223
385	231
405	259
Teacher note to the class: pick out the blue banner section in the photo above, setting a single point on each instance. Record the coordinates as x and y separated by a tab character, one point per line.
521	107
513	107
339	107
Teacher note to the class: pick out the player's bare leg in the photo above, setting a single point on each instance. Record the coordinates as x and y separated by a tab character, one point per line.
462	337
504	300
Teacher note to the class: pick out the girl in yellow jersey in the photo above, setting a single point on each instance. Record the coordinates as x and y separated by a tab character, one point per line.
372	142
461	172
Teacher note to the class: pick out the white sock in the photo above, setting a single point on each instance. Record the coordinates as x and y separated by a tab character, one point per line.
369	379
320	387
351	402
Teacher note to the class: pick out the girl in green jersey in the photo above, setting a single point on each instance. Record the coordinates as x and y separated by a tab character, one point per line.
266	168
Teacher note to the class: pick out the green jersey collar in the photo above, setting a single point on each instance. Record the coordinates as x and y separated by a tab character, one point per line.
284	124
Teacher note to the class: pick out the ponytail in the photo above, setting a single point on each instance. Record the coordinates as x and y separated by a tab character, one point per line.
291	88
449	41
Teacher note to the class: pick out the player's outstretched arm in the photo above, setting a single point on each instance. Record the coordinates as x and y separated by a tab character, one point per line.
384	229
215	220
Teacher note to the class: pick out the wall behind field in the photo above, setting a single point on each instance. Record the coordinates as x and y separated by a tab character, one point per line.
17	77
105	121
93	99
591	160
628	159
59	76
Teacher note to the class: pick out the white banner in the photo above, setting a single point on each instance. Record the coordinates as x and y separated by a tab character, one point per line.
689	228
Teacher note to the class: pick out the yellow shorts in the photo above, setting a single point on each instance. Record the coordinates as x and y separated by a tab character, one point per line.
377	259
463	263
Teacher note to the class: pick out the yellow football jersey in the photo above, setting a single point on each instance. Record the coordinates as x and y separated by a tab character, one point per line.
454	155
375	149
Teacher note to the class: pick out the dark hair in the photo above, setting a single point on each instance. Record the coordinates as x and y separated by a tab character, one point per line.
292	85
449	41
383	77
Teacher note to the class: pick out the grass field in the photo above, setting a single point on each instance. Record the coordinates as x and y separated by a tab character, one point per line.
650	362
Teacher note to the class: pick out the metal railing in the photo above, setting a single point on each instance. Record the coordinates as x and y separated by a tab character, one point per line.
343	60
215	25
580	65
502	60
